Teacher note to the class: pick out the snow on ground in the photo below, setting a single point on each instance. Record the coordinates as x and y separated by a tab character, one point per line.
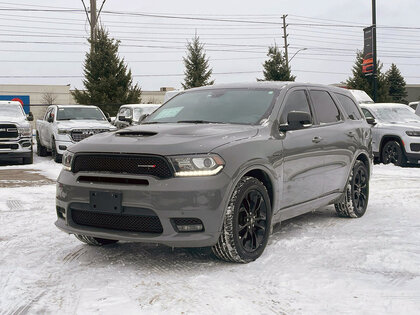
314	264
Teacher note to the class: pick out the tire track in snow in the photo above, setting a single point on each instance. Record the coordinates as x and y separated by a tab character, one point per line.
23	308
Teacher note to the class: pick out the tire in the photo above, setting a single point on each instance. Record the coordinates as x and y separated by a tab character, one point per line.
355	199
40	149
247	223
28	160
94	241
392	152
57	157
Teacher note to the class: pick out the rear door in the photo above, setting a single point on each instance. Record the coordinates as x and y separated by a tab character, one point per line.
337	138
302	153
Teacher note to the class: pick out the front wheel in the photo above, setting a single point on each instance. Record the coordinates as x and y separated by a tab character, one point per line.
393	153
354	201
57	157
95	241
247	223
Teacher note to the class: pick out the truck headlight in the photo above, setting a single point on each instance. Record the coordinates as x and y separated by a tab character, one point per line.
25	131
67	160
197	165
63	131
413	133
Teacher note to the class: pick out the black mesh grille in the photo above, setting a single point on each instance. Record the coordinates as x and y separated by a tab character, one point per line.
8	131
131	164
415	147
187	221
132	223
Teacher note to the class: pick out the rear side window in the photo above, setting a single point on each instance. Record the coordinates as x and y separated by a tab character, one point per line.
367	113
324	107
349	106
296	101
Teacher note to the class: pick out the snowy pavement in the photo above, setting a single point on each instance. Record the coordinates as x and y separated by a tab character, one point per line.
314	264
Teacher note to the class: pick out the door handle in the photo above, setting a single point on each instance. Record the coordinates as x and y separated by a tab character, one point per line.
316	139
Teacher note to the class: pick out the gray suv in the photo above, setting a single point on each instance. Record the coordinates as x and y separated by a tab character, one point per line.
218	166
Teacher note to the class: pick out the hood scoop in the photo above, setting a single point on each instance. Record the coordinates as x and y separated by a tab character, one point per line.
133	133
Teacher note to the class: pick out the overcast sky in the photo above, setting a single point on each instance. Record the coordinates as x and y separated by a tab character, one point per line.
42	43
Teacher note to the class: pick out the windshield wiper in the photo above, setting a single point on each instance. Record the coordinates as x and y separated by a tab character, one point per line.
198	122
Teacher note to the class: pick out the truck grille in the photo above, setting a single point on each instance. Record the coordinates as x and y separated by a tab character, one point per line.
80	134
132	164
8	131
132	223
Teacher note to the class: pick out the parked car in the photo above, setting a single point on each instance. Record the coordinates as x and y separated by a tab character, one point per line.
396	136
131	114
64	125
218	166
15	132
361	97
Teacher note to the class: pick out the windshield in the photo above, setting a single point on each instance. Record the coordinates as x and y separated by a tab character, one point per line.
143	111
395	114
236	106
79	113
11	111
362	97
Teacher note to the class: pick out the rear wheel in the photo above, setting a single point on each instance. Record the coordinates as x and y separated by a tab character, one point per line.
393	153
57	157
247	223
95	241
354	201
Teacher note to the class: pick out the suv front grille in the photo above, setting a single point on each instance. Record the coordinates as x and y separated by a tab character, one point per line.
8	131
80	134
131	223
131	164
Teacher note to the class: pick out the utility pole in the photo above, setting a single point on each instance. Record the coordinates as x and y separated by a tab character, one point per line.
93	19
286	54
374	76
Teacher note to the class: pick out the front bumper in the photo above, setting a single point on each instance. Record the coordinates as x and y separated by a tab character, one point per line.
204	198
412	149
16	148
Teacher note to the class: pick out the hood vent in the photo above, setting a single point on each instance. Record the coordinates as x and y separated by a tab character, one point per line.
132	133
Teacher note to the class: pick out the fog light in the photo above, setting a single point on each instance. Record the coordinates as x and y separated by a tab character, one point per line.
188	225
26	144
61	212
62	147
190	228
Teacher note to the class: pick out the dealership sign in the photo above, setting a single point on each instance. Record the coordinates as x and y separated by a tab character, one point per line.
23	99
367	67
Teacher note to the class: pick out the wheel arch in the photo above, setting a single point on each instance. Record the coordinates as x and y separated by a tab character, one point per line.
387	138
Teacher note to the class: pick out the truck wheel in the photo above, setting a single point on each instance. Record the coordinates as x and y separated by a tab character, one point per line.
95	241
393	153
247	223
40	149
57	157
28	160
354	201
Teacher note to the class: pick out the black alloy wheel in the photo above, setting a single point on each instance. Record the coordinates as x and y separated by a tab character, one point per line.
393	153
252	221
360	190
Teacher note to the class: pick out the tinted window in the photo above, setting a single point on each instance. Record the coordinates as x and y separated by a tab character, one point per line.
324	107
367	113
242	106
349	106
80	113
296	101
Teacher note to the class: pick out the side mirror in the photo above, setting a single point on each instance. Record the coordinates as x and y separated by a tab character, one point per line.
50	119
109	119
296	120
371	121
143	117
30	117
126	119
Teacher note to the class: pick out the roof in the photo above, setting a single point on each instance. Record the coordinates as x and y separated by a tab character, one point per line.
77	106
380	105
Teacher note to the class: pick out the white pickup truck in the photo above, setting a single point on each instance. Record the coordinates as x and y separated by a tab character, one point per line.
64	125
15	132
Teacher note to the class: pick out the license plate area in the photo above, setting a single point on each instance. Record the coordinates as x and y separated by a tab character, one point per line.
105	201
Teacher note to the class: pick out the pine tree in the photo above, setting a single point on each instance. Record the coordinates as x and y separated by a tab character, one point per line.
361	82
108	82
396	85
275	68
197	72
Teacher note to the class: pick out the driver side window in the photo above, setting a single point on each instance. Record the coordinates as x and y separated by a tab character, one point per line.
367	113
297	100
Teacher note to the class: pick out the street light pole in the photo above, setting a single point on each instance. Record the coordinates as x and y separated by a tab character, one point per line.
374	76
296	54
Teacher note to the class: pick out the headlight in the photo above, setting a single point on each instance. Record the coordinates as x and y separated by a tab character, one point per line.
67	160
25	131
63	131
197	165
414	133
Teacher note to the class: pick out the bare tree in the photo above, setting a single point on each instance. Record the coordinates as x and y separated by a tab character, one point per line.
48	98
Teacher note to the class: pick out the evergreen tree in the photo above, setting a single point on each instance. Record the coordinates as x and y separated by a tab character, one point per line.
197	72
275	68
396	85
361	82
108	82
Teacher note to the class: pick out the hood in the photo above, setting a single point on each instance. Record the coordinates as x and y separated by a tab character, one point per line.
166	139
83	124
402	125
21	120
